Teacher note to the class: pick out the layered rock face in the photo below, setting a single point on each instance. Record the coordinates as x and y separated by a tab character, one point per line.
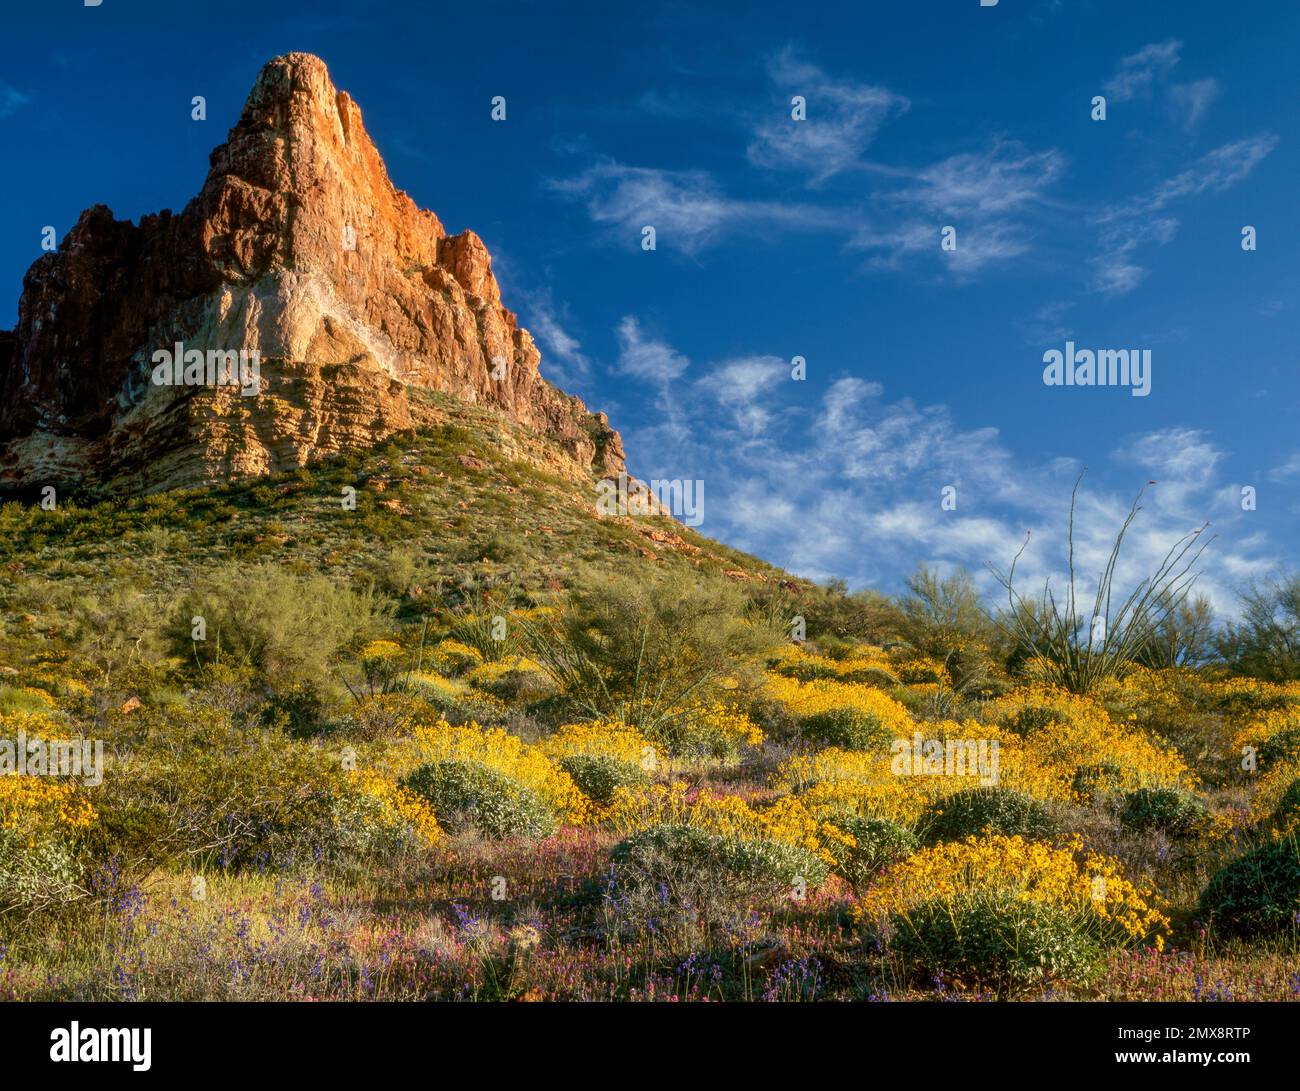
299	250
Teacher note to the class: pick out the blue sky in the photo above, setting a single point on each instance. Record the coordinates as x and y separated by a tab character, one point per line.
818	238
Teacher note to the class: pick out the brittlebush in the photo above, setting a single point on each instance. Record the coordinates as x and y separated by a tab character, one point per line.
1066	877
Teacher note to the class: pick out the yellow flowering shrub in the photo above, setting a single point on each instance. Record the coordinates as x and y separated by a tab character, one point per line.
786	820
398	804
728	723
453	655
499	750
827	695
1065	877
1272	785
1043	762
796	661
528	681
1262	728
40	818
381	649
494	670
868	783
35	806
35	725
605	738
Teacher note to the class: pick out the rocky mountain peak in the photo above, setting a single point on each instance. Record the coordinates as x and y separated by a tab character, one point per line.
299	253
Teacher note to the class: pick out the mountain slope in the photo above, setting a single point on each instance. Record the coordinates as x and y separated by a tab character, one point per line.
470	497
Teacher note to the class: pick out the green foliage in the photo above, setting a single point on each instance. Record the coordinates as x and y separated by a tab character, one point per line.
847	727
1178	814
648	650
396	570
217	794
482	621
1031	719
599	776
1287	811
279	623
1090	781
36	873
831	612
467	794
14	699
976	810
1283	746
1183	635
1265	643
880	843
1256	895
113	629
1081	646
944	618
807	670
672	874
996	943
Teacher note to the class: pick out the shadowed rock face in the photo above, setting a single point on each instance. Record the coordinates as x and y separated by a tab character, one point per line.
300	249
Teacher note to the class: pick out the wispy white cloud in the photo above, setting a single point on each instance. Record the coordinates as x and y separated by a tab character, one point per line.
12	100
1048	324
1147	73
740	386
1139	72
983	195
851	485
687	209
646	357
1003	178
1126	227
1287	471
562	354
1191	100
843	117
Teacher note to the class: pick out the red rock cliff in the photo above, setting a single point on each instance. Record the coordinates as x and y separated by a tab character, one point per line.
299	248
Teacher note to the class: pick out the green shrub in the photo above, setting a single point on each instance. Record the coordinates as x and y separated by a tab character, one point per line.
848	728
210	790
297	708
648	649
807	670
654	853
1256	895
13	699
989	809
1034	718
870	676
37	873
678	883
880	842
1288	806
1281	747
1178	814
469	794
599	776
1090	781
784	866
270	619
997	943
